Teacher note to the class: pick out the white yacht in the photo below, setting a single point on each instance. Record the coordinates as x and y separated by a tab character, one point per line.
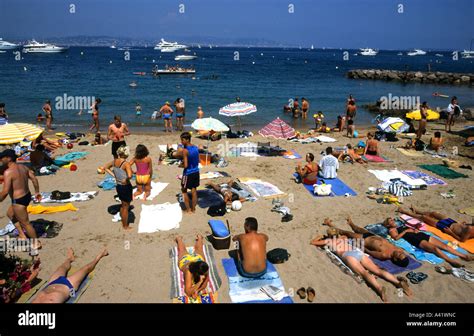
185	57
164	46
35	47
467	54
368	52
416	52
4	45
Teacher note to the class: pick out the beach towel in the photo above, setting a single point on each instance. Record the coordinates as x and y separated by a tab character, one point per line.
291	155
159	217
69	157
41	209
206	198
419	254
413	222
247	290
80	291
36	285
323	138
375	158
435	153
387	175
467	211
339	263
108	183
212	175
443	171
390	267
177	277
156	189
429	180
75	197
338	188
261	188
410	152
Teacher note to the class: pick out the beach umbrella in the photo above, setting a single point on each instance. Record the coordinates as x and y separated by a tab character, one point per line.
416	115
278	129
238	110
209	124
393	125
16	132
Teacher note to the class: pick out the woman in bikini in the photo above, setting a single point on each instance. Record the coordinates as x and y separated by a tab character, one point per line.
144	171
461	231
372	145
309	173
422	124
194	267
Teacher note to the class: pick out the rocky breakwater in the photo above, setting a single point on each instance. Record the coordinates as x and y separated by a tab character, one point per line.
413	76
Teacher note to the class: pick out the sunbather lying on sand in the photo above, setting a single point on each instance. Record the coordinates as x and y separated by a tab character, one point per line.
424	241
374	245
359	263
194	267
461	231
226	191
350	154
62	286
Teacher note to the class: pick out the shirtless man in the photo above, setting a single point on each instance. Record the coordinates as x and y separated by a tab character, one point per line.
351	110
436	142
252	255
461	231
61	287
95	115
166	111
372	145
374	245
304	107
226	192
200	113
359	263
117	132
15	184
48	112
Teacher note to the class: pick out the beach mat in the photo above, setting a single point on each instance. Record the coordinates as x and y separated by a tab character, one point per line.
41	209
467	211
410	152
430	180
261	188
206	198
75	197
342	266
177	277
390	267
442	171
80	291
338	188
169	215
375	158
246	290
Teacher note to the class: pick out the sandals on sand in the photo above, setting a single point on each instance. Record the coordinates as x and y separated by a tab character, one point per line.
416	277
310	291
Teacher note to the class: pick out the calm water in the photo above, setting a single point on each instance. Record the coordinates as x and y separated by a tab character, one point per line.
264	77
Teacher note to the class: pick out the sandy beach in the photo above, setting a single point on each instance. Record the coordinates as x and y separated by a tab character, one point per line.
138	267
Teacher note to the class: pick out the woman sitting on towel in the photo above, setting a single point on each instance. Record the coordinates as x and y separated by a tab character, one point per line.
309	173
359	262
194	267
436	142
372	145
348	154
144	172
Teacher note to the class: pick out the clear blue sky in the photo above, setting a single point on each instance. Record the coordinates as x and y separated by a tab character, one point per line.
431	24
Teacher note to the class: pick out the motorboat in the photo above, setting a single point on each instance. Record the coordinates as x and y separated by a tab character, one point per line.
416	52
35	47
173	71
164	46
468	53
368	52
185	57
4	45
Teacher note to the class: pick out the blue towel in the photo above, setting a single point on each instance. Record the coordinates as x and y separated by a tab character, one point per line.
338	188
107	183
394	269
240	287
206	198
73	156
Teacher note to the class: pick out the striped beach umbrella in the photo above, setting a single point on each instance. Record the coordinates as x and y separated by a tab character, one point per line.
16	132
393	125
209	124
278	129
238	110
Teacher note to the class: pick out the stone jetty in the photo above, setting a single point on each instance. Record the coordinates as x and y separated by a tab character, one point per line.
413	76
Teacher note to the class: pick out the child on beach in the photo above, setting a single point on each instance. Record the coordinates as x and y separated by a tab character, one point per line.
144	171
318	119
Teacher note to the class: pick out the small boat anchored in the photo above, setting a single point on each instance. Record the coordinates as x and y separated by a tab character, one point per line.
416	52
185	57
176	70
368	52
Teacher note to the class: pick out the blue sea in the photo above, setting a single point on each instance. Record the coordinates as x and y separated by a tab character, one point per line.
265	77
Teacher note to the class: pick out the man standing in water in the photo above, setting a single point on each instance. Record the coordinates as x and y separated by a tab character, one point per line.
304	107
117	132
95	115
48	112
190	179
16	185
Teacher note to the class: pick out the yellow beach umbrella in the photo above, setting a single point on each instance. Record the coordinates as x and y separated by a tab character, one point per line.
16	132
416	115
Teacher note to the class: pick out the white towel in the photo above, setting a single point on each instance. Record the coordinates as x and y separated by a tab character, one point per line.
163	148
324	138
387	175
159	217
156	189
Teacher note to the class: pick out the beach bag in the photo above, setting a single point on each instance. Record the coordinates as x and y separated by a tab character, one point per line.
278	256
322	189
60	195
217	210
